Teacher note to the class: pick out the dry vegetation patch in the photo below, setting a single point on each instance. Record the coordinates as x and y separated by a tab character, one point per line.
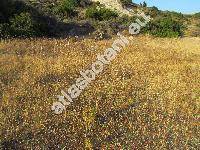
147	98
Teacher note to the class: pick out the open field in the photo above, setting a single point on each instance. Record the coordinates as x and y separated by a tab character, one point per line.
147	98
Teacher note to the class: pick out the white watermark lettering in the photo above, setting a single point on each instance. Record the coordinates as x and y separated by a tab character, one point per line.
87	76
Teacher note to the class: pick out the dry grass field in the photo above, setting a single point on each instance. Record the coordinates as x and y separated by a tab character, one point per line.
147	98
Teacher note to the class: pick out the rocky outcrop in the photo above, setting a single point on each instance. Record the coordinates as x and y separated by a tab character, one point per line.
114	5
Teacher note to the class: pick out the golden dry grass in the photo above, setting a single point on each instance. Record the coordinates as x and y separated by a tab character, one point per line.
147	98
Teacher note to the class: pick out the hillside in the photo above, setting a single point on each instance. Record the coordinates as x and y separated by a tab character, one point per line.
65	18
114	5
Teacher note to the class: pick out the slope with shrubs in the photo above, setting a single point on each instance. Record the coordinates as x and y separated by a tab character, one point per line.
17	19
165	27
27	19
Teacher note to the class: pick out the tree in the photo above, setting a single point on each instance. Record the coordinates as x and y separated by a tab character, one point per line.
144	4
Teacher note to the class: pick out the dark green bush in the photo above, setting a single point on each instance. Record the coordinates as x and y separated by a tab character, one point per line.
100	13
144	4
126	2
67	6
124	21
10	7
23	25
4	30
154	11
19	19
197	15
84	3
165	27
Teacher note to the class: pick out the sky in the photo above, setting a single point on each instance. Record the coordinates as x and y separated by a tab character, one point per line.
183	6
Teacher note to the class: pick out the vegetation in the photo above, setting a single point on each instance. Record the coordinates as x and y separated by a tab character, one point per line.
54	18
147	98
125	2
154	12
197	15
100	13
23	25
18	19
67	6
165	27
144	4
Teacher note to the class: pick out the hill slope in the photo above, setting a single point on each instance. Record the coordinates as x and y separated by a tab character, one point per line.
84	18
114	5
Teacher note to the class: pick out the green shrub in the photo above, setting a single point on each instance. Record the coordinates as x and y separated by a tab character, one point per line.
67	6
100	13
154	12
4	30
16	19
165	27
197	15
23	25
126	2
84	3
123	20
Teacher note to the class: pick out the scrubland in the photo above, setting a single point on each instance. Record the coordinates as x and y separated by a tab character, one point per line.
147	98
